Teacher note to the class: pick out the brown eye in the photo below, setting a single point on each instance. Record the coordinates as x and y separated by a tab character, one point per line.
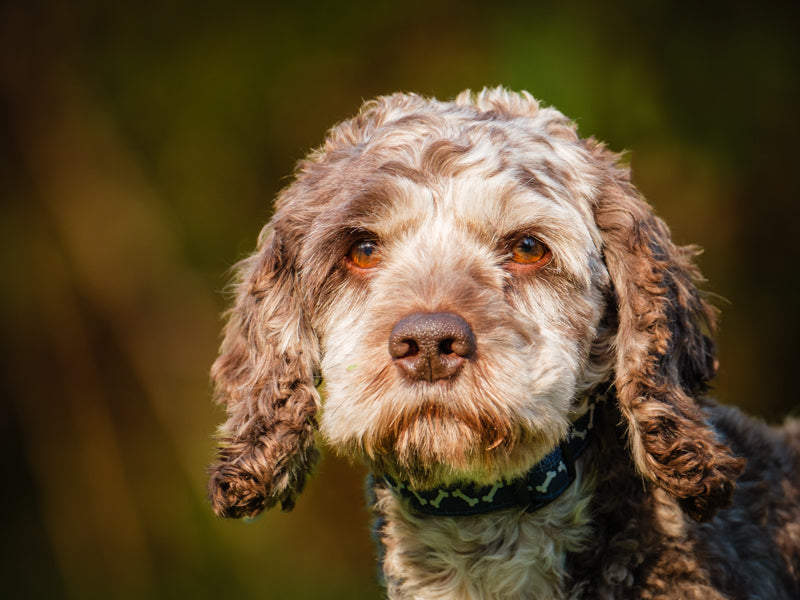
529	251
364	254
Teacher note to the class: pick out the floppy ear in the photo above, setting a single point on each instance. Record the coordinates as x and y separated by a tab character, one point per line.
665	351
264	377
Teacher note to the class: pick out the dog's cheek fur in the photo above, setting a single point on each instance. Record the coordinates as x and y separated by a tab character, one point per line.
570	317
264	378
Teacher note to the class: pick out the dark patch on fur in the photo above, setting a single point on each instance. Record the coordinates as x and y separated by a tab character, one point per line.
634	554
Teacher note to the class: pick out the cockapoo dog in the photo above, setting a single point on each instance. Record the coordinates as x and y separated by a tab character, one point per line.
512	343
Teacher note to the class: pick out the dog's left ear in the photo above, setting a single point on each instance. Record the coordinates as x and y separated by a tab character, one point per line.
664	344
264	377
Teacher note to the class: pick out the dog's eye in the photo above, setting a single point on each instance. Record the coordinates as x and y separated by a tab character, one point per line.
529	251
364	254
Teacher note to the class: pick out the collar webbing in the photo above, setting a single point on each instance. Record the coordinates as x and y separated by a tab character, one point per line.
545	482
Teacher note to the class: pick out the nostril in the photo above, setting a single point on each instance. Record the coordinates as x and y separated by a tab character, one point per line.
411	348
463	347
453	346
403	347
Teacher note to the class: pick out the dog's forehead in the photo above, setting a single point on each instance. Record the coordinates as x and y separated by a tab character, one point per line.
488	207
472	182
490	177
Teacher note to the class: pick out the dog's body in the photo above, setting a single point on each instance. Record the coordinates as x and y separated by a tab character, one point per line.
611	536
473	281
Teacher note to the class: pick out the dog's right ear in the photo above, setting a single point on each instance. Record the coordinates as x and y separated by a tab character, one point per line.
264	377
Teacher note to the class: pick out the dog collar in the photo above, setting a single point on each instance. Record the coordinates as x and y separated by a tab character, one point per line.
545	482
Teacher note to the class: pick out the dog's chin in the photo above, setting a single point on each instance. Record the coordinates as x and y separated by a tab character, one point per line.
432	449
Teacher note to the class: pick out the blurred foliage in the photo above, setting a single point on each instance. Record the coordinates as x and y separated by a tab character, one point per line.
140	146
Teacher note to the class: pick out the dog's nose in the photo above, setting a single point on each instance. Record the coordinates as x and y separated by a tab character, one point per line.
431	346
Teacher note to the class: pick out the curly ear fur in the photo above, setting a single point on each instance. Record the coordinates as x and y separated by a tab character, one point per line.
664	348
264	377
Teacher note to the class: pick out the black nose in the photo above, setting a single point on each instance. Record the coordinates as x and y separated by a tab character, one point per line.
431	346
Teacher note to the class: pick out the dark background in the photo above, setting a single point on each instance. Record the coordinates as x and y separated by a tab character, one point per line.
141	144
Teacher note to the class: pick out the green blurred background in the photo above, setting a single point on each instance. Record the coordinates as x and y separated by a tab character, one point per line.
141	144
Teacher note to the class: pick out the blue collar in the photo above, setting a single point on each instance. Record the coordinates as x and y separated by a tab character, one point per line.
545	482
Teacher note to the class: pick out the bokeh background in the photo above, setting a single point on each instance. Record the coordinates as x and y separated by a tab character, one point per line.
141	144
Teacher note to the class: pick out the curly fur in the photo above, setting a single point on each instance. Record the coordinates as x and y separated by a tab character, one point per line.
677	498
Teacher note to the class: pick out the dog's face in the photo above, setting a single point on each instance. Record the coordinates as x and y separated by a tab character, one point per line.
460	275
429	258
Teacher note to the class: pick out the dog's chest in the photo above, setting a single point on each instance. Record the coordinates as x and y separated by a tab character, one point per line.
509	555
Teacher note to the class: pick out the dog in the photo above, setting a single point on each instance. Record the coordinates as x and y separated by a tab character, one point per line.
511	341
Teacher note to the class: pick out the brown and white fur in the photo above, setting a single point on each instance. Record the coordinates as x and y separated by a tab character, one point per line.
417	207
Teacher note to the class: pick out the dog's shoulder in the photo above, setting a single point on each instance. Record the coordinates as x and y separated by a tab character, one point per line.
643	541
770	450
761	527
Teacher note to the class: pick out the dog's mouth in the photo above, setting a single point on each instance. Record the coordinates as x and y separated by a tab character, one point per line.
438	442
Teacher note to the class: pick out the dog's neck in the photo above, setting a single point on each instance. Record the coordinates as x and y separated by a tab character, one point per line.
509	554
504	551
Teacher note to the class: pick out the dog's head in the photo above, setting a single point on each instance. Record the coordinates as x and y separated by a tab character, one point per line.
461	275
